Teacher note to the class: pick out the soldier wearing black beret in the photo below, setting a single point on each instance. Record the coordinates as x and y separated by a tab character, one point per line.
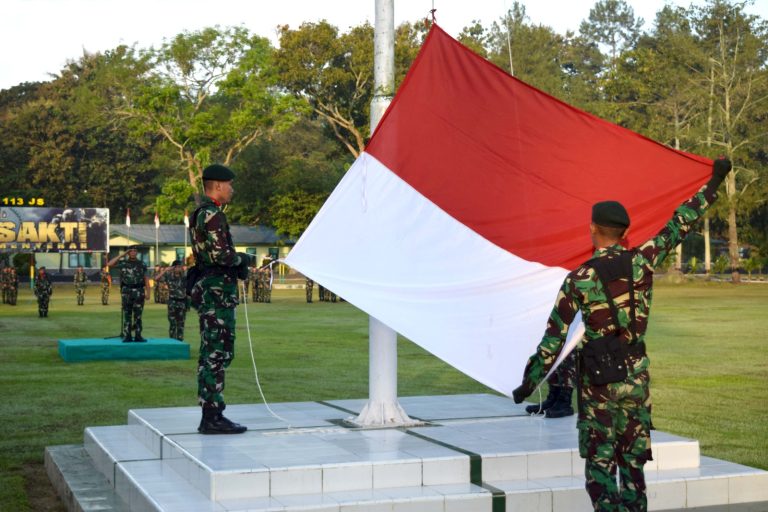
215	297
613	292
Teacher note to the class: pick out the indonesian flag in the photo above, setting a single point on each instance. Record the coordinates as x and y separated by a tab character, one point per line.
128	217
472	202
186	219
157	221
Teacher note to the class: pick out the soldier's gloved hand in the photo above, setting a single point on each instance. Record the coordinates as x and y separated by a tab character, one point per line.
521	393
720	169
242	268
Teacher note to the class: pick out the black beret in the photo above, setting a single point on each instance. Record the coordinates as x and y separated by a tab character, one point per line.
134	247
611	214
175	263
218	172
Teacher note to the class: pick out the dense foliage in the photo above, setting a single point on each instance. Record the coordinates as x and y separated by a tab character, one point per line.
133	127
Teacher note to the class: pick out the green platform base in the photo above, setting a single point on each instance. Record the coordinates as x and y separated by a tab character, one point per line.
100	349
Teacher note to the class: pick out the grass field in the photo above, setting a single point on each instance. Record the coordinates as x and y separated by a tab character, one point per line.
707	342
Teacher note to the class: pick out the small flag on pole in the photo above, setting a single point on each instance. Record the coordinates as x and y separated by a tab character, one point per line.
128	217
157	221
186	219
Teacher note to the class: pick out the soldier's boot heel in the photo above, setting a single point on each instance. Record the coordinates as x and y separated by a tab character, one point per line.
562	406
546	404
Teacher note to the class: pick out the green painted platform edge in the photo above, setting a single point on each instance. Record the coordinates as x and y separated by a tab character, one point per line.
97	349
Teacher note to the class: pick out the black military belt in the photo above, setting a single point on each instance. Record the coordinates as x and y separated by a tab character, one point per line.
636	350
134	286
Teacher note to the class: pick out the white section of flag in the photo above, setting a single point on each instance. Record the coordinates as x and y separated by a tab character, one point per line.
128	218
157	221
387	249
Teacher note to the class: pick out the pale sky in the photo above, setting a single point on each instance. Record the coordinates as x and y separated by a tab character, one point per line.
37	37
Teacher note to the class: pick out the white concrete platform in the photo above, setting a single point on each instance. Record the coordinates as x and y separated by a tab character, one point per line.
477	453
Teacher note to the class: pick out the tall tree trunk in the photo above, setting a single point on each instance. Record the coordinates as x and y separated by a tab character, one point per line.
733	243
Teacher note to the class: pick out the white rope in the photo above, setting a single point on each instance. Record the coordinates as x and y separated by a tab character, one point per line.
253	358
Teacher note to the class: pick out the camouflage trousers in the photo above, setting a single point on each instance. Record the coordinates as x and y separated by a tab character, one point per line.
565	374
105	295
133	306
13	295
614	436
177	313
215	303
309	287
80	291
42	303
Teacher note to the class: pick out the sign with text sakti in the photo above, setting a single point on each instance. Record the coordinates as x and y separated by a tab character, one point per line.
25	229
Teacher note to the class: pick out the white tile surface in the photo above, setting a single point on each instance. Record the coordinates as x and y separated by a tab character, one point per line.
285	482
387	467
446	470
750	487
345	477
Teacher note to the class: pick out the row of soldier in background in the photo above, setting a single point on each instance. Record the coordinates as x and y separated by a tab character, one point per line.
9	281
259	283
323	293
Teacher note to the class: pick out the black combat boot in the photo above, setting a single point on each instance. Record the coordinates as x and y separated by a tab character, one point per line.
546	404
218	424
128	338
137	338
562	406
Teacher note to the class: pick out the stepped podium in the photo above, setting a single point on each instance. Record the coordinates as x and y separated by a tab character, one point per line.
475	453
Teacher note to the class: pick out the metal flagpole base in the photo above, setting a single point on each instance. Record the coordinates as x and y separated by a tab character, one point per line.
378	414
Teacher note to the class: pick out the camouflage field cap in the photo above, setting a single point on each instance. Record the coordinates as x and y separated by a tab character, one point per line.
611	214
218	172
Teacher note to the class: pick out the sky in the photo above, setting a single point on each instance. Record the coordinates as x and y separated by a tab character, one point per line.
38	37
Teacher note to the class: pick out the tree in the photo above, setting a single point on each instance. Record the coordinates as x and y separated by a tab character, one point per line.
737	47
210	94
612	23
333	73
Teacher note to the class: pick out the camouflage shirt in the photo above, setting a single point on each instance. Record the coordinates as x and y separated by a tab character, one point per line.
177	284
42	285
211	240
80	278
132	272
583	292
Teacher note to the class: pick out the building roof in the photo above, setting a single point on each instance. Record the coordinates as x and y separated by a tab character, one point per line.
170	234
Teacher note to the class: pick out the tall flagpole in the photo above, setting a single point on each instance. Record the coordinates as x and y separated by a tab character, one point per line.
383	408
186	228
157	238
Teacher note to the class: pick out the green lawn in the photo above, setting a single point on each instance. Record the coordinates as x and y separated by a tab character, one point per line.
707	342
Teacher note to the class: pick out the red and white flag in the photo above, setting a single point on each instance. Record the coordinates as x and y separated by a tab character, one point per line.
157	221
128	217
186	219
472	202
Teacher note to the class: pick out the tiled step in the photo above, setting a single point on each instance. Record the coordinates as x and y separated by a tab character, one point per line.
714	482
305	460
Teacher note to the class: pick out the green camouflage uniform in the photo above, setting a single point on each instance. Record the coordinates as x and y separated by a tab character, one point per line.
4	284
215	298
132	294
164	292
615	419
106	282
265	276
177	302
81	281
310	284
43	292
13	286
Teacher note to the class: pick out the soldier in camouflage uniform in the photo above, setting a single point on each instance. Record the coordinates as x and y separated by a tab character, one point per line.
43	291
134	288
176	279
615	418
308	287
81	281
163	289
4	284
266	284
156	280
106	284
214	295
13	286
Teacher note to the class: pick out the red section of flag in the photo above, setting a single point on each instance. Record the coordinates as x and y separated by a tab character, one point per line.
157	221
517	166
128	217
